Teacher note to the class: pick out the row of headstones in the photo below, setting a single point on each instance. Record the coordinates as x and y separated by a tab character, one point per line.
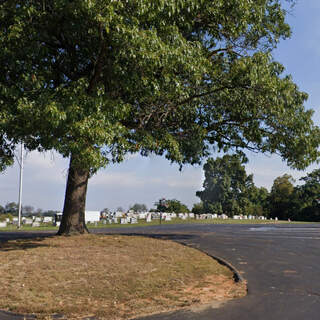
4	224
144	215
33	222
122	220
147	216
235	217
250	217
132	220
168	217
211	216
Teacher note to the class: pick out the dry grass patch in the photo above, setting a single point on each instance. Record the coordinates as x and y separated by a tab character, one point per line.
111	277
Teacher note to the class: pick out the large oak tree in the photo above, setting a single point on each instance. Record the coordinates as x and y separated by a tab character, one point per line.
97	79
227	187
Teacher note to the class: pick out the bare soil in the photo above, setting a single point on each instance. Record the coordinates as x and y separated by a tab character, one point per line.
110	277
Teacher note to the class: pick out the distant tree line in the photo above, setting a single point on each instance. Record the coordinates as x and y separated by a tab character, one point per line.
27	210
173	205
228	189
301	202
162	205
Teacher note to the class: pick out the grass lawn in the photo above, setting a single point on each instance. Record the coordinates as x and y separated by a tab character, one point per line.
142	223
110	277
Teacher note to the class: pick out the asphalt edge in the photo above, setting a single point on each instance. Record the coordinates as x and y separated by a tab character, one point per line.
237	277
7	315
236	273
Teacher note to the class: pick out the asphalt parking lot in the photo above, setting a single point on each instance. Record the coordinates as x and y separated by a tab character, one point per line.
280	262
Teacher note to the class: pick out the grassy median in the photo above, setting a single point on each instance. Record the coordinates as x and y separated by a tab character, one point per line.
110	277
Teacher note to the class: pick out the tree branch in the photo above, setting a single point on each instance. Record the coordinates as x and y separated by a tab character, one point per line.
99	63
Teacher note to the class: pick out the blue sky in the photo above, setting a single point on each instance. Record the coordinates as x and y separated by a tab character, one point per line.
145	180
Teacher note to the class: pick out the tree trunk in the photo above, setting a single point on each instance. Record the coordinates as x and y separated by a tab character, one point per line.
73	221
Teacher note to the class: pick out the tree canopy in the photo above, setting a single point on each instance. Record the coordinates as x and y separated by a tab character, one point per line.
97	79
280	197
300	202
227	186
139	207
258	201
102	78
198	208
171	205
305	202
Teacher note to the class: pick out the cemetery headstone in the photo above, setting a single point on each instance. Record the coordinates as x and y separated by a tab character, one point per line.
35	224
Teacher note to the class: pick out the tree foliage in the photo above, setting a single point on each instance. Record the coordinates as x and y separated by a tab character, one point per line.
306	199
139	207
198	208
300	202
280	198
102	78
4	217
258	201
310	190
96	79
27	210
120	209
173	205
227	186
11	207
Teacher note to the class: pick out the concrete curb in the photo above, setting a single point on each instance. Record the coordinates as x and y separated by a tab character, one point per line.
236	274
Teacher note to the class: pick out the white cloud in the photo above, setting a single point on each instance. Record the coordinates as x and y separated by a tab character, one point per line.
47	167
132	156
40	160
190	178
143	180
116	179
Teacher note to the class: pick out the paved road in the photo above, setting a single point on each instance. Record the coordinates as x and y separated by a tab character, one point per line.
280	263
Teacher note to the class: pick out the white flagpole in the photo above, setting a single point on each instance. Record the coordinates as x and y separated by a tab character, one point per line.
20	187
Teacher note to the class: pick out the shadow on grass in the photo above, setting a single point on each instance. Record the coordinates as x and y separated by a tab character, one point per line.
163	236
27	240
23	244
